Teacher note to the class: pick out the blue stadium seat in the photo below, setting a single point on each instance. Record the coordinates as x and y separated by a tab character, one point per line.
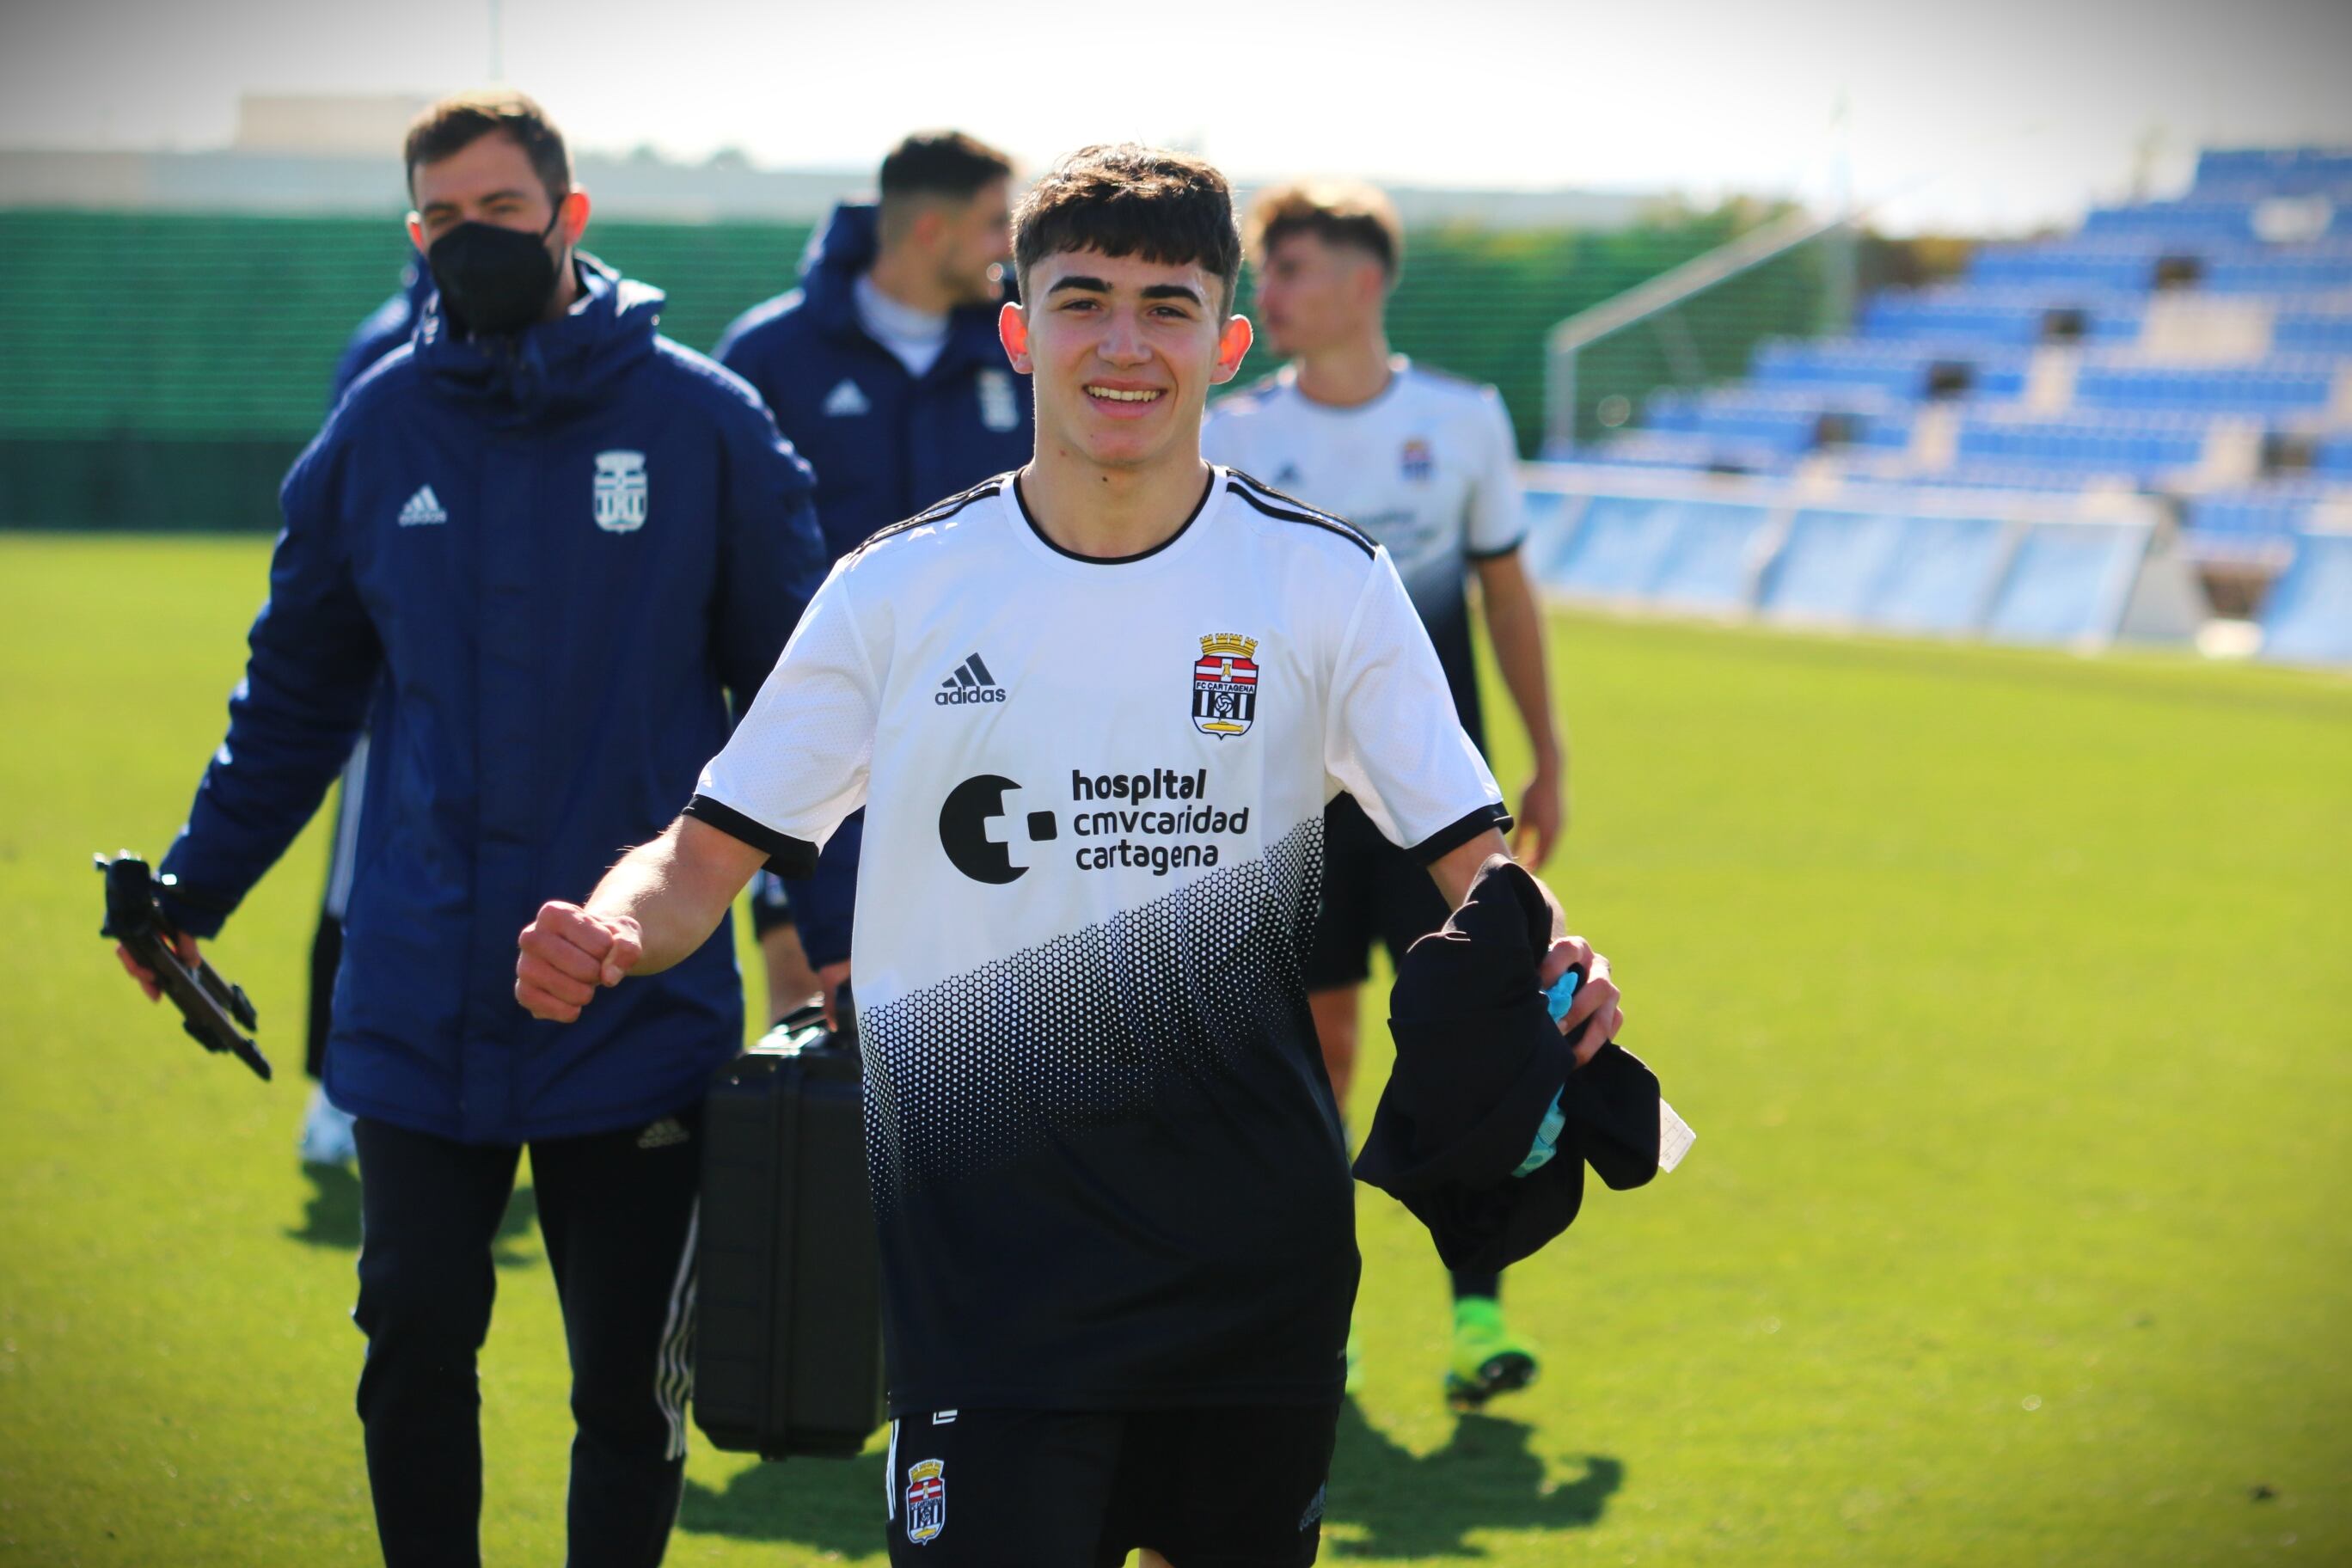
2017	317
2312	331
2229	219
2224	172
1900	368
2281	384
2302	269
2139	446
2258	523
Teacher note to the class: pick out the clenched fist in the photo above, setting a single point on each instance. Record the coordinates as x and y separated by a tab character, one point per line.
1597	1000
567	954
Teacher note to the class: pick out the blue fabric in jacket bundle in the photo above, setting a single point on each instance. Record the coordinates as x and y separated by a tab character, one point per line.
387	327
886	444
560	552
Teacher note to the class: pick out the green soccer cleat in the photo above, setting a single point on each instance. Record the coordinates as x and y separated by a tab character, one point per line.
1488	1359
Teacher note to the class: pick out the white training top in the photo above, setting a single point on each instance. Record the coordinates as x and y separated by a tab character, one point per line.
1428	468
1094	794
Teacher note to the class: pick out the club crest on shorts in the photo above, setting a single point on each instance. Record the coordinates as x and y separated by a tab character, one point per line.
620	492
927	1499
1224	685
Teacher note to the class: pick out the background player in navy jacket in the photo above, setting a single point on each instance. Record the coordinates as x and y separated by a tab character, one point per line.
326	1126
883	369
555	541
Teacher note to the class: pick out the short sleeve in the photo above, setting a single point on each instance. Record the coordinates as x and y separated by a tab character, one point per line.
797	764
1392	737
1497	525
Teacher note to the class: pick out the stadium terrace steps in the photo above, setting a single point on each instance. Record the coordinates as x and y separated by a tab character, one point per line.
2197	349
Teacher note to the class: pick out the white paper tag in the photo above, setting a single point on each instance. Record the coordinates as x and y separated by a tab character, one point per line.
1674	1137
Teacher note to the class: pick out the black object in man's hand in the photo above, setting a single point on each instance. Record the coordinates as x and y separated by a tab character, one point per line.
210	1007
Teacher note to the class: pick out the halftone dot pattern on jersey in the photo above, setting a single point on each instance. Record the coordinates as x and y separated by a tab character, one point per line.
1084	1030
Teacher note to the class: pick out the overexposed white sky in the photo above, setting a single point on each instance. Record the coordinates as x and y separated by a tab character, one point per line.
1983	118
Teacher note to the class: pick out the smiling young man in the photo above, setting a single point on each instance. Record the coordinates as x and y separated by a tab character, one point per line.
1116	1215
1427	465
536	548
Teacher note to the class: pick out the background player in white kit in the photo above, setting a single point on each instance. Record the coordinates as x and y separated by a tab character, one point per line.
1115	1210
1425	464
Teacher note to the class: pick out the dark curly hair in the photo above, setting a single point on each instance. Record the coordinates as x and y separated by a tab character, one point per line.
1131	200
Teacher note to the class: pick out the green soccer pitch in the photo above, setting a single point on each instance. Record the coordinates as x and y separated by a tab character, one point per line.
2006	991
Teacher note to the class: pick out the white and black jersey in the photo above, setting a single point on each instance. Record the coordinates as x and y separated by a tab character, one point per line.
1429	468
1105	1159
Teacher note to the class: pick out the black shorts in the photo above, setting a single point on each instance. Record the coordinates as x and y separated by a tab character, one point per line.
1372	891
1221	1488
771	907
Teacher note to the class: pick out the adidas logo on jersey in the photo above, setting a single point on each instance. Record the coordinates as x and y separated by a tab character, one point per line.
845	399
422	508
970	683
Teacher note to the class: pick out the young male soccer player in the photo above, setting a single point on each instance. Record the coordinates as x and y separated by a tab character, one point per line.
1425	465
883	370
1115	1211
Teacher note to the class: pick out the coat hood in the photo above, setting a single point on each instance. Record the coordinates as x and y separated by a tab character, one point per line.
844	249
550	368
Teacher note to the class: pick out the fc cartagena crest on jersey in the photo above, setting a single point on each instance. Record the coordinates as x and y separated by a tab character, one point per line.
927	1499
1224	685
620	492
1415	461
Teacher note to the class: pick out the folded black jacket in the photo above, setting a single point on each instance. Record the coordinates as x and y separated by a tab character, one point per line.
1479	1062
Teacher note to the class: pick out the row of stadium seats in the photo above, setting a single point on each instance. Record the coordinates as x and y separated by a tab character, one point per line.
2215	267
2017	317
2312	331
2279	384
2144	449
2281	218
2273	172
1909	368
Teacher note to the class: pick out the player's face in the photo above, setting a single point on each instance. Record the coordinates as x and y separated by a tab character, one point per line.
976	244
488	180
1312	295
1123	352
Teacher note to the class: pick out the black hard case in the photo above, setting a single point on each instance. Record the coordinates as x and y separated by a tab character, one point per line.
788	1337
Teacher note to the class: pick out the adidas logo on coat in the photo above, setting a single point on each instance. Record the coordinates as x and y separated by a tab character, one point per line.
422	508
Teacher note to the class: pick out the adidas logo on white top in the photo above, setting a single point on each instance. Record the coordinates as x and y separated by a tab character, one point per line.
422	508
970	683
845	399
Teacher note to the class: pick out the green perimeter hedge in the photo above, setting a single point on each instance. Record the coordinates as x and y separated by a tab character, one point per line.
162	369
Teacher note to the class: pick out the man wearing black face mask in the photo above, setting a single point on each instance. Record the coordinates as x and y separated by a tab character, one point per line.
556	543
